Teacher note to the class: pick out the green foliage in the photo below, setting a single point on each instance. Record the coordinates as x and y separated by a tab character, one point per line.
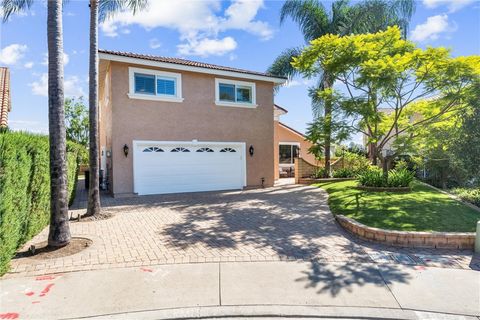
344	173
76	120
319	173
400	178
384	76
422	209
372	177
469	195
25	188
356	162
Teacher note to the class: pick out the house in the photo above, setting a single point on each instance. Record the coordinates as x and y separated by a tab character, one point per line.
5	99
170	125
289	144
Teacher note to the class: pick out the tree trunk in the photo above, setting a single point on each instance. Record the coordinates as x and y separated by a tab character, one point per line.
59	234
94	187
372	153
328	126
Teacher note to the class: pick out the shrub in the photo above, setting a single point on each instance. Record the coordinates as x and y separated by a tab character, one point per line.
344	173
371	177
468	195
400	178
25	188
319	173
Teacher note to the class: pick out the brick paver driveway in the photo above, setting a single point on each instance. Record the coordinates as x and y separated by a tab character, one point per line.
281	223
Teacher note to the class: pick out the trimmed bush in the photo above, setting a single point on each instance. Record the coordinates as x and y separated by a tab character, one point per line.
344	173
25	188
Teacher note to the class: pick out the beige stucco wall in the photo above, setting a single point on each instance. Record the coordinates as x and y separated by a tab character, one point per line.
197	117
286	135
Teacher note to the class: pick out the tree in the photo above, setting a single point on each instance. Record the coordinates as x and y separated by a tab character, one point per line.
99	10
392	89
59	232
315	21
76	116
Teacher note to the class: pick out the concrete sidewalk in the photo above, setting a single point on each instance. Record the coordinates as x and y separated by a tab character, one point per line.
293	289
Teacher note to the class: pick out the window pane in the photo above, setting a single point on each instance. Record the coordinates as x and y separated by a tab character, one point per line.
295	152
285	154
244	94
166	86
144	83
227	92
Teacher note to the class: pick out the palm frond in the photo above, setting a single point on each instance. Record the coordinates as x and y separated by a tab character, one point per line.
10	7
108	8
282	65
310	15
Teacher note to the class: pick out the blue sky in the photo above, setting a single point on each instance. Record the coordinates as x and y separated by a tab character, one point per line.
243	34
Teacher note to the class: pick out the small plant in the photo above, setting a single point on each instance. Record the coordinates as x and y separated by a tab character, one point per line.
371	177
344	173
398	178
319	173
468	195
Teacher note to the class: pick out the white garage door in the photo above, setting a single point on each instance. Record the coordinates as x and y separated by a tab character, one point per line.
170	167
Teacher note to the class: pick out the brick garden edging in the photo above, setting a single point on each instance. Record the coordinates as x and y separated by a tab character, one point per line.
319	180
412	239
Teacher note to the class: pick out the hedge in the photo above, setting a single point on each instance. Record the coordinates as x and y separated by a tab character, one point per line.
25	188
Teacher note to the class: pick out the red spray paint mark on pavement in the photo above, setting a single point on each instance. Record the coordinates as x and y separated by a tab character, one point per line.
46	290
31	293
146	270
9	315
45	278
35	302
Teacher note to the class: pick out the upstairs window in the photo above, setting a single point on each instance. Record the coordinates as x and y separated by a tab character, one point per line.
234	93
155	85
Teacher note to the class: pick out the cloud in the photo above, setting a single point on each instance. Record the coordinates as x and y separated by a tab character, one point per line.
452	5
66	59
196	21
72	86
154	43
11	54
28	65
432	28
206	47
30	126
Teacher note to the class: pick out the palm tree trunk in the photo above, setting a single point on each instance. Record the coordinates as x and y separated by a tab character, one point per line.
59	234
94	187
328	126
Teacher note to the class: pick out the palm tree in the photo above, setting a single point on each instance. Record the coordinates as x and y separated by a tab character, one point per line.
99	10
59	233
315	21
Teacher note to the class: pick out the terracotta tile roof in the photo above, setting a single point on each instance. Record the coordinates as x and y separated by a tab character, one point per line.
5	102
184	62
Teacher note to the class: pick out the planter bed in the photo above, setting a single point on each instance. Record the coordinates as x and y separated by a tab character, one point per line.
380	189
319	180
414	239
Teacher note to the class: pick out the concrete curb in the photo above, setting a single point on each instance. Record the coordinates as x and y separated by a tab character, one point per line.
281	311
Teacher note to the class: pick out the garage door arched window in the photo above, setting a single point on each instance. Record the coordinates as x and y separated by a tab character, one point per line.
180	149
205	150
228	150
152	149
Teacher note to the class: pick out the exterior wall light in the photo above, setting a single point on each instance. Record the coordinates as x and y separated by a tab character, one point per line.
251	150
125	150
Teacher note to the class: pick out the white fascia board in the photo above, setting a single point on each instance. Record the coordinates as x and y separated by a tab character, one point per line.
173	66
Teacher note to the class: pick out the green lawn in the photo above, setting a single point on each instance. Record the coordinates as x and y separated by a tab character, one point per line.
423	209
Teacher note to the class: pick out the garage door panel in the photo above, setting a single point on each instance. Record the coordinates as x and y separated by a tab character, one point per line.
170	172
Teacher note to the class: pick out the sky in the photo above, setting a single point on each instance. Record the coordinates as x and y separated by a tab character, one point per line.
241	33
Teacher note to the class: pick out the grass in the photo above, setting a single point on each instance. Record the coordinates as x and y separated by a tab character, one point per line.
423	209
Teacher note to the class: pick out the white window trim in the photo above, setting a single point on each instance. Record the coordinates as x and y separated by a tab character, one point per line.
218	102
158	97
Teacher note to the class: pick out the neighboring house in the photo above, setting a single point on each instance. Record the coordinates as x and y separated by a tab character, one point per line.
289	144
171	125
5	100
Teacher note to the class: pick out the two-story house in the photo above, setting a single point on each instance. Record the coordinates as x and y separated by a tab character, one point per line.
170	125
